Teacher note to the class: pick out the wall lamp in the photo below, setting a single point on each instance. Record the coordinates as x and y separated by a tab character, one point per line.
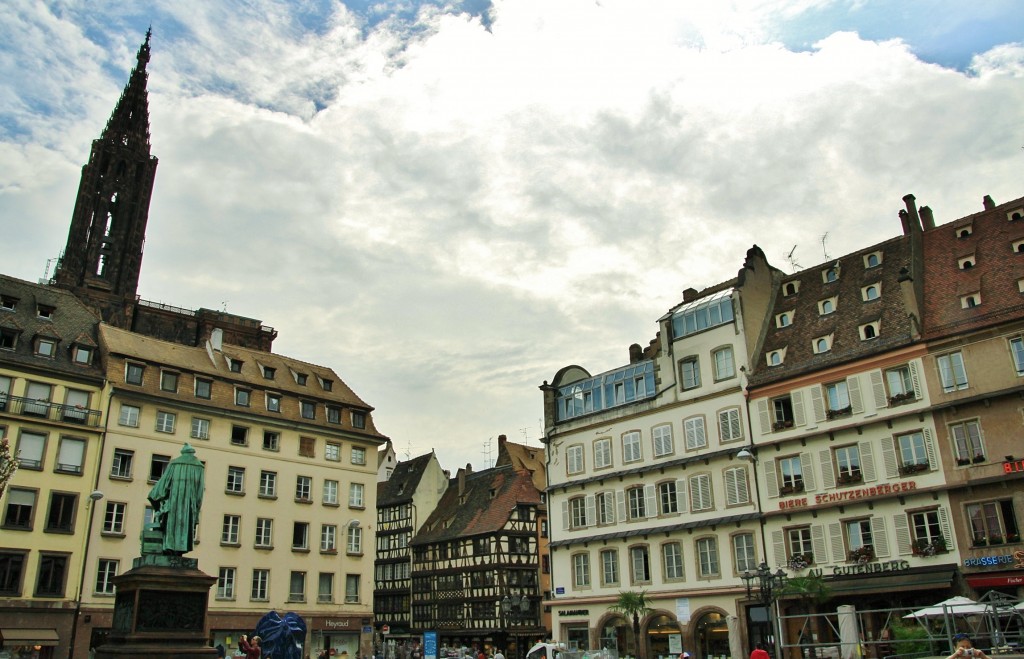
748	454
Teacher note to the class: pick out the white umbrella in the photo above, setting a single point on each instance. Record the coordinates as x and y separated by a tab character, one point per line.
957	606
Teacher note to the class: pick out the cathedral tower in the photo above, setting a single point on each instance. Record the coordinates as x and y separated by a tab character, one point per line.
103	256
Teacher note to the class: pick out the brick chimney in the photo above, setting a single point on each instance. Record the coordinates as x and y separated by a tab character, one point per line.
461	476
636	353
988	203
927	219
689	295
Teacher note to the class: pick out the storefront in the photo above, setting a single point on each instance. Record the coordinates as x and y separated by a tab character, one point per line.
340	636
28	643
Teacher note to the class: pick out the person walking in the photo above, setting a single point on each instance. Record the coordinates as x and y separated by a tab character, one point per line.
760	652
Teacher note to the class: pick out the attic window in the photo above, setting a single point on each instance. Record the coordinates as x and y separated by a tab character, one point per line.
81	354
872	260
8	338
830	275
269	372
1015	214
1018	246
491	492
45	311
327	385
869	331
871	292
234	365
791	288
966	262
8	303
300	378
964	231
784	319
827	306
970	301
822	344
776	357
46	347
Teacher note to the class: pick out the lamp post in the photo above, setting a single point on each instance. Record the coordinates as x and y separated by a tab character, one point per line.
514	609
766	585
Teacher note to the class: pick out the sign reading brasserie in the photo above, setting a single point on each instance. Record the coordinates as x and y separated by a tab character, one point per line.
885	489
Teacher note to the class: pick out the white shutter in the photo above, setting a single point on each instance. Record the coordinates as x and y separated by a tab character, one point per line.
807	472
566	523
705	492
903	540
835	532
929	449
892	469
817	404
947	531
771	478
880	537
651	501
856	402
591	510
796	399
915	378
681	495
731	486
71	453
867	461
878	389
742	488
620	505
818	544
763	416
828	474
779	547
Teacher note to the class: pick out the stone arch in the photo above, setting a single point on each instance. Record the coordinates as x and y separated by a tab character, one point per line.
615	630
708	632
654	630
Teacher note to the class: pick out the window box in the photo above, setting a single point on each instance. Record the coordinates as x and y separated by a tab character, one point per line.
862	554
782	425
900	399
926	548
835	414
800	561
913	468
791	489
979	458
854	477
962	462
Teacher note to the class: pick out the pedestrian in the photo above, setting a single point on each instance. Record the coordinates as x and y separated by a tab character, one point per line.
760	652
498	654
965	649
251	647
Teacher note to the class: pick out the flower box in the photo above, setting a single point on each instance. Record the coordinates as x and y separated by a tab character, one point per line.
800	561
913	468
862	554
835	414
853	477
782	425
929	548
791	489
979	458
900	399
963	462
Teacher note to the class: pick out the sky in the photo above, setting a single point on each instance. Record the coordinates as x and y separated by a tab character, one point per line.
447	202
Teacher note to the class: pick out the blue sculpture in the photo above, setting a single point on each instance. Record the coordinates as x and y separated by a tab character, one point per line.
281	638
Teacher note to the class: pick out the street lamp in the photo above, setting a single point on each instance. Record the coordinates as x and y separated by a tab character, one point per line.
514	608
768	586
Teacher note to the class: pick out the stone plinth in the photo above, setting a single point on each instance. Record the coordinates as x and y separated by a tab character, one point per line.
160	611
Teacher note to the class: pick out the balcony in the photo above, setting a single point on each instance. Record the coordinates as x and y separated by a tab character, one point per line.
52	411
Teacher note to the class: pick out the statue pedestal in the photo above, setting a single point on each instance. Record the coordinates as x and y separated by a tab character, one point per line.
160	611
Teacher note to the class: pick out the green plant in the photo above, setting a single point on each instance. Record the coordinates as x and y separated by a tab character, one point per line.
8	464
909	639
811	588
632	604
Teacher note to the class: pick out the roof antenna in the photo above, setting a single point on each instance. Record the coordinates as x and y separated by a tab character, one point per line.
792	259
487	452
824	249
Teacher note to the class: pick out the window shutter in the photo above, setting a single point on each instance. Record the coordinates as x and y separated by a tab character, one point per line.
878	389
797	400
591	510
771	478
880	537
867	461
620	505
651	501
730	486
742	489
71	453
566	523
835	532
889	458
947	531
705	492
903	540
818	543
915	378
779	547
929	449
828	474
681	495
763	417
856	402
818	404
807	471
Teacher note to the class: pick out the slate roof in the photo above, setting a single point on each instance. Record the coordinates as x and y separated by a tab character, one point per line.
488	501
843	324
404	480
71	322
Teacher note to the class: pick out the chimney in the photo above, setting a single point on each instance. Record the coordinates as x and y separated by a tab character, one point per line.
636	353
926	218
461	477
689	295
501	440
912	219
988	203
217	339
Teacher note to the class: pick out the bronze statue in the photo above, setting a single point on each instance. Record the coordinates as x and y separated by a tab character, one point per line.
176	498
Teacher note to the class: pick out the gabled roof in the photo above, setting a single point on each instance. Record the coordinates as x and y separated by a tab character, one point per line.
520	456
404	480
485	505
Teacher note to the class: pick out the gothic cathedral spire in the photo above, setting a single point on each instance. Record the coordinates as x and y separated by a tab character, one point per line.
103	256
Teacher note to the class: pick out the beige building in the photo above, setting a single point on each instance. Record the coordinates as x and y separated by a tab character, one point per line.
291	466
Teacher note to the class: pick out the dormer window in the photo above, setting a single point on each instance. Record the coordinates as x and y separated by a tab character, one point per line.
45	311
8	338
8	302
1015	214
831	275
822	344
776	357
827	306
45	347
964	231
970	301
269	372
784	319
966	262
872	260
869	331
81	354
1018	246
791	288
871	292
326	385
234	365
300	378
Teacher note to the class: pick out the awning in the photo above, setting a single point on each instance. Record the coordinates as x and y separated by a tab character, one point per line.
990	581
29	636
892	582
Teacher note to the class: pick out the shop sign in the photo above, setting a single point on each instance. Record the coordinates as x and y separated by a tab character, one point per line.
574	612
1016	559
885	489
1013	466
865	568
339	623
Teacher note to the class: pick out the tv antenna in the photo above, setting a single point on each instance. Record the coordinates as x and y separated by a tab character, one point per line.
824	248
792	259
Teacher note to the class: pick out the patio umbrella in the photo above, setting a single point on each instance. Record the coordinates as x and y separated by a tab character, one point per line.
957	606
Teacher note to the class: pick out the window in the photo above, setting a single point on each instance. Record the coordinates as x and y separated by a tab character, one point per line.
351	588
355	495
330	493
234	365
61	516
729	427
737	490
325	586
260	585
327	385
577	512
307	447
300	535
784	319
226	583
229	530
832	274
701	315
640	564
8	303
858	540
236	480
798	542
605	508
269	372
242	397
952	372
129	416
913	452
672	560
358	455
20	505
39	397
668	498
631	449
574	459
105	571
271	440
693	429
113	518
992	523
5	391
169	381
268	483
332	451
273	402
603	453
901	384
121	467
300	378
308	409
966	262
970	301
707	557
837	396
872	260
264	532
12	568
700	493
358	419
744	553
689	373
157	465
791	475
31	447
725	367
870	292
200	428
790	288
609	567
303	487
81	354
354	542
8	338
662	436
869	331
847	459
46	347
297	587
581	570
822	344
826	306
333	414
165	421
239	435
52	574
967	442
637	502
70	455
133	373
203	388
927	528
328	537
776	357
1017	351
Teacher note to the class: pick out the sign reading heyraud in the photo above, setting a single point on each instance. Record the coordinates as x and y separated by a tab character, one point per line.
885	489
